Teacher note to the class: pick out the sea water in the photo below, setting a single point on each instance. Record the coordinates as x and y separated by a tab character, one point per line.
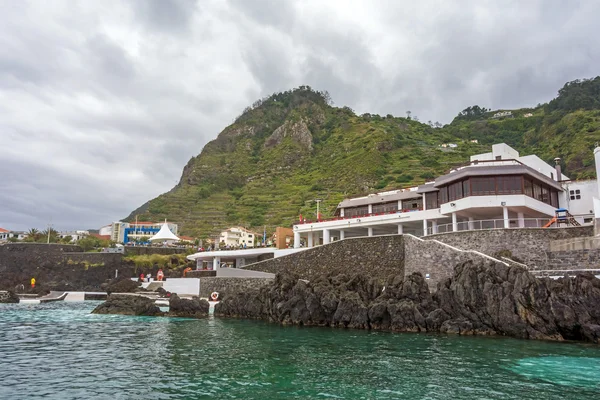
61	351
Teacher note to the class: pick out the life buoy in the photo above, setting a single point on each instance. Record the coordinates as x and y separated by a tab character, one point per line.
214	296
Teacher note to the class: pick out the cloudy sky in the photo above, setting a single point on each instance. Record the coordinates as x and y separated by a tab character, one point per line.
102	103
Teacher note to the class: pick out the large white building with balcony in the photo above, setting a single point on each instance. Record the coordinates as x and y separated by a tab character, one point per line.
499	189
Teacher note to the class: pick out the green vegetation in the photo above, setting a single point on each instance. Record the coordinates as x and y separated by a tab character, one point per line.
249	176
171	262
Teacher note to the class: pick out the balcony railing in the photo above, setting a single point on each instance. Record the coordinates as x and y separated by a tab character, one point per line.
492	224
306	221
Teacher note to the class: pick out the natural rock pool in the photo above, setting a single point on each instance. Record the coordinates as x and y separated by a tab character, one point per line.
61	351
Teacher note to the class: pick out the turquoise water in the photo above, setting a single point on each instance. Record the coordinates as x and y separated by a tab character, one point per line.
61	351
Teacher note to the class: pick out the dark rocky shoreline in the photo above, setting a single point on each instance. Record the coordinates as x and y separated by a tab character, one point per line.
133	304
478	300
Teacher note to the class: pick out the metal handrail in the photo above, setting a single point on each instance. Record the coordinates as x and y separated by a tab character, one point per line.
490	224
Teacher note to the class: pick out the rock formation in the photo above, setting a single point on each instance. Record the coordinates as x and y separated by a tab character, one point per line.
298	131
478	299
8	296
125	304
125	285
189	308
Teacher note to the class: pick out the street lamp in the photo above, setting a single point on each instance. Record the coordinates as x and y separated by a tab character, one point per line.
318	201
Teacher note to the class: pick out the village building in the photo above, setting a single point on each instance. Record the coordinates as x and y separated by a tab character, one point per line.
237	237
126	232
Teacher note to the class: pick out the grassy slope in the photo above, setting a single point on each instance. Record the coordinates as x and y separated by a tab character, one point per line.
237	180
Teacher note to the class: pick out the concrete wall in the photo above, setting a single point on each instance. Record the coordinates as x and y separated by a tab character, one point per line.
375	256
529	245
230	285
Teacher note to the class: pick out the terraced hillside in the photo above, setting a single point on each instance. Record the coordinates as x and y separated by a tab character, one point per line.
292	148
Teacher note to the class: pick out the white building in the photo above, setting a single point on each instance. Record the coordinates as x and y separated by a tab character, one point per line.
125	232
503	114
236	237
75	235
5	234
499	189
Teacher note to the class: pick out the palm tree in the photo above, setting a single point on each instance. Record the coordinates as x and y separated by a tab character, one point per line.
50	235
33	234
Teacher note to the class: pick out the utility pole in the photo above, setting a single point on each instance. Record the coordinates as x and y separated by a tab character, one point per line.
49	227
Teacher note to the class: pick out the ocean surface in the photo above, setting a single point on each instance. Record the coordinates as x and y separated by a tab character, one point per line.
61	351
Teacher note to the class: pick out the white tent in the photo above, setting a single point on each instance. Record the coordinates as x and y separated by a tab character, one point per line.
164	234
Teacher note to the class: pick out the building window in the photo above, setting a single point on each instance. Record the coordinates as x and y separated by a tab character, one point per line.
356	211
443	195
509	184
466	188
413	204
455	191
483	186
528	187
554	198
431	200
575	194
385	207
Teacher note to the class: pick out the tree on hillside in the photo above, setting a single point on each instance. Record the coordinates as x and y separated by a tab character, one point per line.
576	95
472	113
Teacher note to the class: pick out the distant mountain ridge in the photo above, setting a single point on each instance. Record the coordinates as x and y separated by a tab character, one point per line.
288	149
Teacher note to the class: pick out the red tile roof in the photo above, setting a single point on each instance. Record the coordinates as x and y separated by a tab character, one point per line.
3	230
187	238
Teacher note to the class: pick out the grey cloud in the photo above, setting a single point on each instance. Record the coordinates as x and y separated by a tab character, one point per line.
166	15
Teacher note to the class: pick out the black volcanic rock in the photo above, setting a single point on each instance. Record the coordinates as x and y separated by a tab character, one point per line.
125	285
8	296
478	300
128	305
190	308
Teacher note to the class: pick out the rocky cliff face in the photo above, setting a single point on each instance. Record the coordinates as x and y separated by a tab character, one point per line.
478	299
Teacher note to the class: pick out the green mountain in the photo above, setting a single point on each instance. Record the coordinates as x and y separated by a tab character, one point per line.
291	148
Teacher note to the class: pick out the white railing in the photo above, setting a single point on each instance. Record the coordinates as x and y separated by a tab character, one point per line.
490	224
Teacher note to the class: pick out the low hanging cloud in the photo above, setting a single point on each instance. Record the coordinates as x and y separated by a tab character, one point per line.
102	103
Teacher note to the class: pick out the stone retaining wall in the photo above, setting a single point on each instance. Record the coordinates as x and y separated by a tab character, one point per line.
57	267
378	256
201	273
141	250
574	259
529	245
230	285
435	260
92	258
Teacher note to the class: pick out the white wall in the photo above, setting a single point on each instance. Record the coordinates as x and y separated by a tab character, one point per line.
541	166
587	191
